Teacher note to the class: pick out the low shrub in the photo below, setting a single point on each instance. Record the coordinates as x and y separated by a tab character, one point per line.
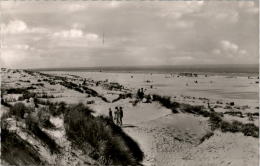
199	110
252	114
19	109
41	101
44	118
215	120
31	88
234	113
16	91
228	127
5	103
45	95
207	136
250	129
166	102
56	109
90	91
28	95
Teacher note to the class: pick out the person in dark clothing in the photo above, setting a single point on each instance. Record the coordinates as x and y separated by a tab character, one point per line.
138	93
110	114
142	93
117	116
121	114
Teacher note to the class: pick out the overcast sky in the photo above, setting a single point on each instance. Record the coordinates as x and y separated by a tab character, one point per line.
70	34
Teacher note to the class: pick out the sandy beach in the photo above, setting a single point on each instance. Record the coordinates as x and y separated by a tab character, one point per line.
165	138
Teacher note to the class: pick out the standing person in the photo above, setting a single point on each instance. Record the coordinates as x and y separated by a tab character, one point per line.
138	93
110	114
121	114
142	93
116	116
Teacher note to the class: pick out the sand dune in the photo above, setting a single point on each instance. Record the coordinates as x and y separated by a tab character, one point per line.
166	139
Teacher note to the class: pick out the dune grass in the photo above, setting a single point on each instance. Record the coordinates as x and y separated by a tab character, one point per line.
166	102
248	129
19	109
44	137
111	146
198	110
16	151
5	103
33	124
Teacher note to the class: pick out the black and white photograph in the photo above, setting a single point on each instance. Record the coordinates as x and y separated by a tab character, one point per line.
129	82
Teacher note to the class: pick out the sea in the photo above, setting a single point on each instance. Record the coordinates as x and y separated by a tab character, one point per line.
236	70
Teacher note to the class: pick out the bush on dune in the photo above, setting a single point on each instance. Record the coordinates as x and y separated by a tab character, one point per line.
62	106
234	113
215	120
110	144
54	108
44	118
16	90
248	129
166	102
207	136
199	110
19	109
5	103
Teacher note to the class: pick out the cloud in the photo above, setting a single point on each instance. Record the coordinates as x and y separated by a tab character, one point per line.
75	7
19	47
229	50
19	26
249	6
232	16
184	24
135	33
72	33
114	4
75	33
179	9
246	4
229	46
216	51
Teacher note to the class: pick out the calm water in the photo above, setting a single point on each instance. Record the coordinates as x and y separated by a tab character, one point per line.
231	70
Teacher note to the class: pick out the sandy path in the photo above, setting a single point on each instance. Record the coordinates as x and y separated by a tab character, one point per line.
167	139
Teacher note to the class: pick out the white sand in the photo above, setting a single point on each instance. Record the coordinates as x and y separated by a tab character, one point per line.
171	139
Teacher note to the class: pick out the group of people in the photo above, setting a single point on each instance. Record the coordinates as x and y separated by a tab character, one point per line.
140	93
143	97
118	115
